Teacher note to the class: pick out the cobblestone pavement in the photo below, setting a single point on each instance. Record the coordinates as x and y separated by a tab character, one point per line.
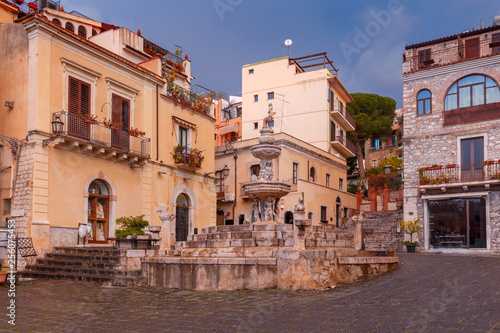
427	293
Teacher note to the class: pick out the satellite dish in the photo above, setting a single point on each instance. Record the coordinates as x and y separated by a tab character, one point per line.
288	42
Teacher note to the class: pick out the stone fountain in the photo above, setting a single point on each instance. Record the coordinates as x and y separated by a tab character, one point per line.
265	254
263	189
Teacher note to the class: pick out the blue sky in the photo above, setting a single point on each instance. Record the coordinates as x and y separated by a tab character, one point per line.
220	36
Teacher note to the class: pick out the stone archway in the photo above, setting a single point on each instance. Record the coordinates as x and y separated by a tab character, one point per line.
186	209
92	210
288	217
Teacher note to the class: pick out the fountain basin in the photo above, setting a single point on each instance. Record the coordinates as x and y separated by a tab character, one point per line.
266	189
265	152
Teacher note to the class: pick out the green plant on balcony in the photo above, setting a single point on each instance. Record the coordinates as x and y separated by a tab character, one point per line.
88	118
192	158
110	124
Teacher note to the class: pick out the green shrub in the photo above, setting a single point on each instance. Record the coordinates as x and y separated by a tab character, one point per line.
130	225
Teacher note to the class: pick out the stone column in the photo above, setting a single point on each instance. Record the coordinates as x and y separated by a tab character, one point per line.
359	199
372	196
386	196
358	231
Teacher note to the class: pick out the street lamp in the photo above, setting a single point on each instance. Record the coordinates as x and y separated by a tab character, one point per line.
57	129
387	169
399	171
225	172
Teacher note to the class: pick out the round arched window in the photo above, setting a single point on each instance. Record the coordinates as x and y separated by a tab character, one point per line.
56	21
70	27
98	187
182	200
424	102
82	32
312	174
470	91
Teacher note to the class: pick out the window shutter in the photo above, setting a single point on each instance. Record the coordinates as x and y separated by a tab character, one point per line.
495	43
472	48
84	98
116	114
73	95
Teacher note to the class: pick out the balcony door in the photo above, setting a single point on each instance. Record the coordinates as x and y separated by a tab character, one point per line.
79	107
121	122
472	159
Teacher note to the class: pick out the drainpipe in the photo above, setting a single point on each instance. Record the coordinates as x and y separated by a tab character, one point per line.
235	185
157	139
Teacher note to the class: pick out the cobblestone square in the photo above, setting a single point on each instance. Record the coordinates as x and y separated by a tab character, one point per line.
427	293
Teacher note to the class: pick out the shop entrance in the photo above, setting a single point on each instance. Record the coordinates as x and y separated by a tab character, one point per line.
457	223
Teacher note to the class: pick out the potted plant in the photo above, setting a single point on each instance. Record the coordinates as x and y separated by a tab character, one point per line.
3	276
410	227
131	232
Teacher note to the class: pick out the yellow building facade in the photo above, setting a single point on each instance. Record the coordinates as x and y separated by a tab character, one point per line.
115	154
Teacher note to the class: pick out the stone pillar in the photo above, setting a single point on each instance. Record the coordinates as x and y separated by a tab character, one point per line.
358	231
166	218
359	199
372	196
386	197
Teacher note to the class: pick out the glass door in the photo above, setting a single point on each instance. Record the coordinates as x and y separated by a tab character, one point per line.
472	159
98	212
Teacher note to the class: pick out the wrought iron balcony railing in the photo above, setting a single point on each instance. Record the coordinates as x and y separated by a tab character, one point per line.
453	173
200	102
92	131
347	143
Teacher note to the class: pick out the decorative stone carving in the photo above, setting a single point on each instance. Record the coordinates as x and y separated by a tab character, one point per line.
269	209
266	171
300	209
166	216
270	116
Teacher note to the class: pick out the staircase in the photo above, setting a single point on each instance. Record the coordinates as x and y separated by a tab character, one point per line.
381	230
100	265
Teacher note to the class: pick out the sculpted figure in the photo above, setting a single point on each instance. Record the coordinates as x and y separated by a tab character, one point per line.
270	116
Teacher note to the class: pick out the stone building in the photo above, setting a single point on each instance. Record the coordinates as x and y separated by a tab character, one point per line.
98	126
310	123
451	140
379	148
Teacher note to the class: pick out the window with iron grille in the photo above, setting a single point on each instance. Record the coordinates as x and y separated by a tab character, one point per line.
82	31
70	27
324	217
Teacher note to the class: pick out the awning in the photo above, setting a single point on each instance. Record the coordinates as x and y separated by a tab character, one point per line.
234	127
184	122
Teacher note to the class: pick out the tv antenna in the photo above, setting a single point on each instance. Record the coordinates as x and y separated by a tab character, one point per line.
288	42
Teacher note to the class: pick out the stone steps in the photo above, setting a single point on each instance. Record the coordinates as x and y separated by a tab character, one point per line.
99	265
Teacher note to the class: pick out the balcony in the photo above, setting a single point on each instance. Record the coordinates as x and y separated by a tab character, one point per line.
455	174
446	53
92	138
344	118
471	114
344	146
187	158
198	99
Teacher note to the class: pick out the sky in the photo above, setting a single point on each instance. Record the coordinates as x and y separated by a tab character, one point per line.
364	39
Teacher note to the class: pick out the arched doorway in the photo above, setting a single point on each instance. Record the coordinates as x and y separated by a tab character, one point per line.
181	218
241	219
337	212
288	217
98	211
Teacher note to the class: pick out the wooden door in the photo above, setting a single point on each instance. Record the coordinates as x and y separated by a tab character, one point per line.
79	107
181	223
98	217
120	116
472	159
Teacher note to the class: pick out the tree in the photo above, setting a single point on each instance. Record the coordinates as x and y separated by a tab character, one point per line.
374	116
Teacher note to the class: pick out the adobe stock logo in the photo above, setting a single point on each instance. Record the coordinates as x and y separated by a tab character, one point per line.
223	6
363	38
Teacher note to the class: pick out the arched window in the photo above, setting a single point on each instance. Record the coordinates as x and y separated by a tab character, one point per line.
310	217
94	32
424	102
82	32
312	174
288	217
56	21
472	90
181	217
241	219
70	27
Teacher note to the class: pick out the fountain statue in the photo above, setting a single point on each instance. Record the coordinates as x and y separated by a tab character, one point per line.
265	191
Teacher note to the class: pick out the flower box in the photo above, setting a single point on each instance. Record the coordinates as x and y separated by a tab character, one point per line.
488	162
33	6
451	166
437	167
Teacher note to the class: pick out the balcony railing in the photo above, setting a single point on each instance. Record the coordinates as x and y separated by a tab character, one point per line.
92	131
447	53
453	173
199	102
347	143
471	114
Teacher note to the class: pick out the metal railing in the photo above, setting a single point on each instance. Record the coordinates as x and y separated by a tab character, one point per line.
198	102
343	111
453	173
347	143
447	53
471	114
93	131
